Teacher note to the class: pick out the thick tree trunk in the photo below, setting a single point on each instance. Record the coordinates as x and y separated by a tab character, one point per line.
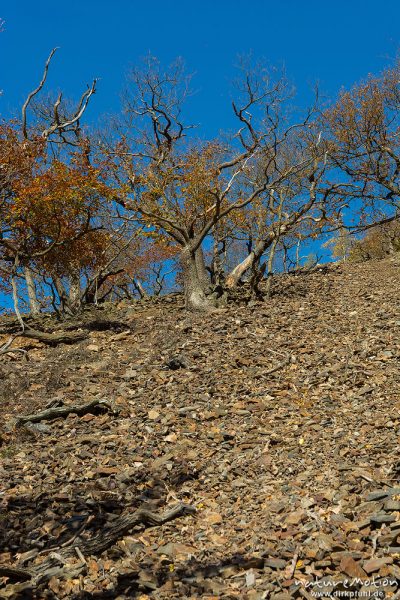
201	268
198	294
195	292
31	289
61	291
65	304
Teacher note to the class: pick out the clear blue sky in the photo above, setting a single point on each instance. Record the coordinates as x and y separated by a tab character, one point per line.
331	41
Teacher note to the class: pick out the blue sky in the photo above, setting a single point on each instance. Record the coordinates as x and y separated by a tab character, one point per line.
332	42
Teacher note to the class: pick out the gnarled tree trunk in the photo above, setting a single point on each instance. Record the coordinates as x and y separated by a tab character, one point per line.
251	259
198	293
66	305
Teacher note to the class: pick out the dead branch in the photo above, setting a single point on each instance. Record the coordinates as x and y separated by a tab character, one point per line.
59	572
57	125
58	337
6	348
279	366
34	92
107	537
98	544
52	339
62	411
15	573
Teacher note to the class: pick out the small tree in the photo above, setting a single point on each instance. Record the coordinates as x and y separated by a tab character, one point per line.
46	203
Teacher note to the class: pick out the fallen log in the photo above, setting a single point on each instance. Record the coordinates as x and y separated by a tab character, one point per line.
57	337
62	411
99	543
16	573
120	526
51	339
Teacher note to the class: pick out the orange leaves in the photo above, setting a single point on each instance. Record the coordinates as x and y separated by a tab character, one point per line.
48	203
56	203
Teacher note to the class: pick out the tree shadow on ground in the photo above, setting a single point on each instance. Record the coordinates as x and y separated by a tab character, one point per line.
193	579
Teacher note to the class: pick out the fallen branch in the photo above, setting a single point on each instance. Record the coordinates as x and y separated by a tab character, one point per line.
16	573
62	411
96	545
59	572
58	337
123	524
6	348
278	366
52	339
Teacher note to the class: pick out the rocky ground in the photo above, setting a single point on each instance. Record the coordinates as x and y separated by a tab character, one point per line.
278	422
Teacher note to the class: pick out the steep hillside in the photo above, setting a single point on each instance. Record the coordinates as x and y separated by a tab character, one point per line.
278	422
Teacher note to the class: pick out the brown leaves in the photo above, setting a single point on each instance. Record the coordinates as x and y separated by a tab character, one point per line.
363	130
270	510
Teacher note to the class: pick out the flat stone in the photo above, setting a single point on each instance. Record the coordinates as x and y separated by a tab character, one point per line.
376	563
93	347
388	538
351	568
323	563
379	494
275	563
382	518
174	549
325	542
392	505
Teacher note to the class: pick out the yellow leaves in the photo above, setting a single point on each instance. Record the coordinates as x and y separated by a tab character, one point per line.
180	188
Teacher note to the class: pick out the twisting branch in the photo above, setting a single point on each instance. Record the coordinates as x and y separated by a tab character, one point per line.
62	127
34	92
58	125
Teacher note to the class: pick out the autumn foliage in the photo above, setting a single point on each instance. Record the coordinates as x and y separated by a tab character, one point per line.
88	216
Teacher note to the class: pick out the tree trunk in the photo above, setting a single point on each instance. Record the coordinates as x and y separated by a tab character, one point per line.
63	296
258	250
139	287
201	268
31	289
75	292
270	265
216	269
196	283
298	255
